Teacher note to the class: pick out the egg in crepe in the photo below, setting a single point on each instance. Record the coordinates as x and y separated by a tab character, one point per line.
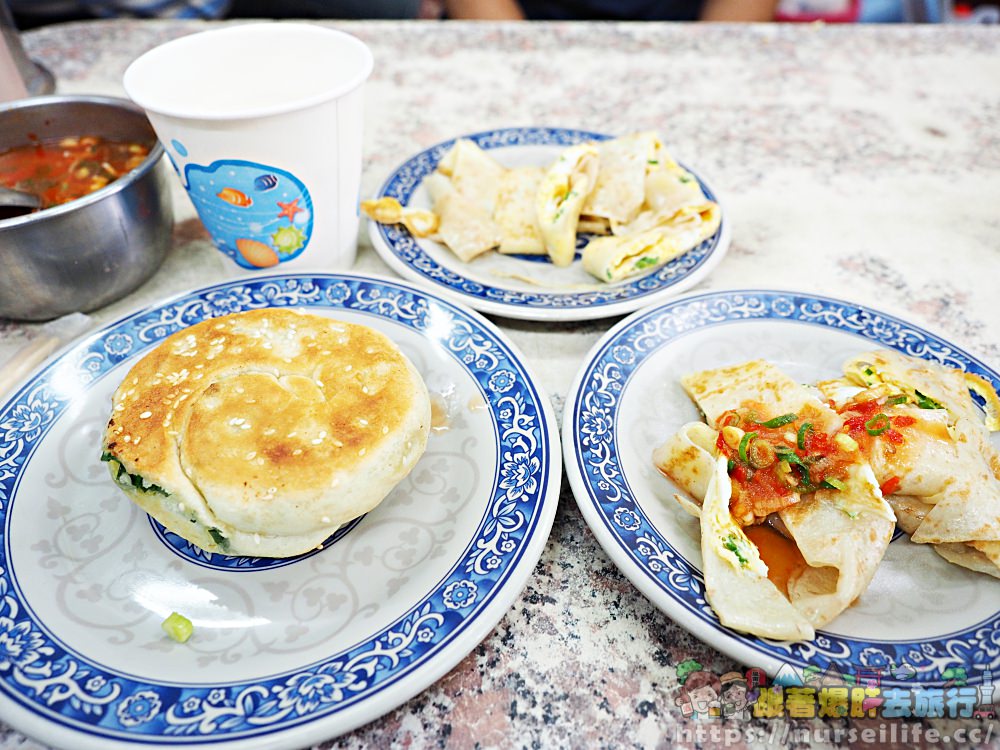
781	466
515	211
736	579
619	190
643	208
262	432
463	225
561	193
615	258
830	470
473	173
673	217
946	470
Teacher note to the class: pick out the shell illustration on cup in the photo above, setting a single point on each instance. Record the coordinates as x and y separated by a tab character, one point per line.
257	214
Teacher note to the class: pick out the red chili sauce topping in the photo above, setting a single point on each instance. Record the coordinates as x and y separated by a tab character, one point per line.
777	457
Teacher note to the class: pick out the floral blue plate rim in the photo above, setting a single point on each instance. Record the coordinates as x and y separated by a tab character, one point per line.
661	572
51	692
406	256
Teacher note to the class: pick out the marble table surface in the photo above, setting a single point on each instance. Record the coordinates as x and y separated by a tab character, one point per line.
857	162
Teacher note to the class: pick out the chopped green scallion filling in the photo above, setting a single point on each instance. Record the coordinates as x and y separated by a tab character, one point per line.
732	544
926	402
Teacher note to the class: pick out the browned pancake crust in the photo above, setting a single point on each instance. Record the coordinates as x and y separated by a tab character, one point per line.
266	406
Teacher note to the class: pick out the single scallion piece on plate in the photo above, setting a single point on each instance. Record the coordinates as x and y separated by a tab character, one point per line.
178	627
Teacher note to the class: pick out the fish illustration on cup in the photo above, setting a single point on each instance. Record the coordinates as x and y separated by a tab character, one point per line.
258	215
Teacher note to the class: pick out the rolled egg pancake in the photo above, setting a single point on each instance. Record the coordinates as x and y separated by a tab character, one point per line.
934	386
463	225
614	258
515	211
937	444
968	509
688	458
761	383
736	582
785	463
842	534
982	557
561	193
260	433
619	189
474	174
672	194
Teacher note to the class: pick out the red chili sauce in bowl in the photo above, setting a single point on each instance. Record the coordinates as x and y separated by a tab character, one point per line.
70	168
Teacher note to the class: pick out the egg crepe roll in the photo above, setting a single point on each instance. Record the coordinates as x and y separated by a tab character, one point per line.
843	535
968	508
463	226
736	582
668	191
688	458
719	390
936	386
561	194
982	557
515	211
473	173
615	258
619	191
948	462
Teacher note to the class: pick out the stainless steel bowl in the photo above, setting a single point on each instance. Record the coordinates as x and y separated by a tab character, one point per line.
94	250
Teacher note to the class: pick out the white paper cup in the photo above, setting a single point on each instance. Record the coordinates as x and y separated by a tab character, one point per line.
263	124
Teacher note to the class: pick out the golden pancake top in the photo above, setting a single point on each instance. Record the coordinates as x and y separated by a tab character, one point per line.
266	404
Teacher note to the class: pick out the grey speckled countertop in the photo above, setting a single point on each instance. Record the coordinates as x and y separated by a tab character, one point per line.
857	162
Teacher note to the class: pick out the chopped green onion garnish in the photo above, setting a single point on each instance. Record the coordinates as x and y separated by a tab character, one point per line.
645	262
761	454
177	627
787	454
833	484
652	161
926	402
779	421
730	465
743	446
897	400
800	439
877	424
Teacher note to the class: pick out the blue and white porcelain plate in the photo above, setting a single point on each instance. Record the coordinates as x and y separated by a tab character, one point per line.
527	287
919	617
284	653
